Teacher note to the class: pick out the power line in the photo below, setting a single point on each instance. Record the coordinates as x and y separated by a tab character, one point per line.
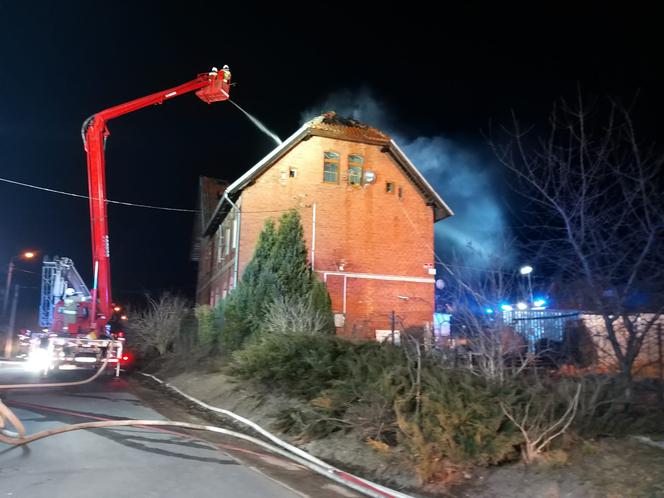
132	204
80	196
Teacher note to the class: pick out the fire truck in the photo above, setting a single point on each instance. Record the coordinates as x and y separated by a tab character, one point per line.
77	329
67	339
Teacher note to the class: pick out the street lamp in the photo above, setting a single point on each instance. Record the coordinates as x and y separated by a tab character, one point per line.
28	255
10	328
527	270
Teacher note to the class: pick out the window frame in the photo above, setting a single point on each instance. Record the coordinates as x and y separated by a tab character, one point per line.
220	244
234	233
355	169
327	162
227	241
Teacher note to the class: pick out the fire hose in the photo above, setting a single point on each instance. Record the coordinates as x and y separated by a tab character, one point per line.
282	448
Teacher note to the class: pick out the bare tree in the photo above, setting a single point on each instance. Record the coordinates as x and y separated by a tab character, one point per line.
496	352
157	327
293	315
539	419
595	192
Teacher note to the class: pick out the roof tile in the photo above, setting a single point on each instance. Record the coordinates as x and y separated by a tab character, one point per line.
333	125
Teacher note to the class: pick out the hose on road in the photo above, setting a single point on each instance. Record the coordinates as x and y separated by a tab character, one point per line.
284	449
280	442
22	439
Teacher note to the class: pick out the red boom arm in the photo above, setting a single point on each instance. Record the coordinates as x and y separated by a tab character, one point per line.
210	87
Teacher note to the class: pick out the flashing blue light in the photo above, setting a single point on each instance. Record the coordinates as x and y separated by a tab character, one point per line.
488	310
506	307
539	302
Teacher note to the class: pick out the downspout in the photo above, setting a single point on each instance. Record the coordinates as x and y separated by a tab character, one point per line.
236	263
345	285
313	239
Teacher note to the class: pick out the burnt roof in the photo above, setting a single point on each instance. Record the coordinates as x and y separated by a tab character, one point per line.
332	126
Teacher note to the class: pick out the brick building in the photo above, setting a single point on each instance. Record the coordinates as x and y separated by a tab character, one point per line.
368	217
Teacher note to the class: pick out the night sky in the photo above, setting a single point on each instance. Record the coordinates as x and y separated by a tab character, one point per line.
442	76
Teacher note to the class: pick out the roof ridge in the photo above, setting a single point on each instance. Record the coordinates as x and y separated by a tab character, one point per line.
331	122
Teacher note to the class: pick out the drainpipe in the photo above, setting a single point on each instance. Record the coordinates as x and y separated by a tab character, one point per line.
237	239
313	239
345	284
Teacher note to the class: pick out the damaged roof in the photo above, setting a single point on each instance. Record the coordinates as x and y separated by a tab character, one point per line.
331	125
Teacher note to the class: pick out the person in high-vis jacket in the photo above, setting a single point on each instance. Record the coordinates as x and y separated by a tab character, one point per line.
227	73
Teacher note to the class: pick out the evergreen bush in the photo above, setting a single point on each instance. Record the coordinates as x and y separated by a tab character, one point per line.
277	270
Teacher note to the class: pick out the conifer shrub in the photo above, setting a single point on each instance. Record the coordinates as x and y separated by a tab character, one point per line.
209	324
204	325
459	420
278	270
300	364
321	302
450	418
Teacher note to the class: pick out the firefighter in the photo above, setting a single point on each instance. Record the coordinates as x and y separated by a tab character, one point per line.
227	74
70	308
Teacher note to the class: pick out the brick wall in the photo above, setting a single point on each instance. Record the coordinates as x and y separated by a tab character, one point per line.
359	230
208	284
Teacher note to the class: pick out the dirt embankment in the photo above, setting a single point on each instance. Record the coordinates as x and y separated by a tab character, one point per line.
345	450
608	468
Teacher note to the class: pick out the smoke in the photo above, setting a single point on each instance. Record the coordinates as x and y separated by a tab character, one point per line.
462	172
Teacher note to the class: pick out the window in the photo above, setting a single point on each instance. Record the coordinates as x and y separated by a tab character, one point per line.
292	172
400	192
227	245
331	167
355	165
235	221
389	187
220	244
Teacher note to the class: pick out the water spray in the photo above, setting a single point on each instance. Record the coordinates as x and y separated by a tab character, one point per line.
258	124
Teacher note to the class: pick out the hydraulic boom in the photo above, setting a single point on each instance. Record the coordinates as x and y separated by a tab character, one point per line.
209	87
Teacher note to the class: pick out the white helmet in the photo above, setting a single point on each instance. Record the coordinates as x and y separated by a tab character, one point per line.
225	68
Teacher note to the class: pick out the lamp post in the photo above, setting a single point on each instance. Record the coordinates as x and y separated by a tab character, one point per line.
9	342
10	271
527	270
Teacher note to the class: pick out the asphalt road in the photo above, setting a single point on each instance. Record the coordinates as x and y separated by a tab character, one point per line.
130	461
